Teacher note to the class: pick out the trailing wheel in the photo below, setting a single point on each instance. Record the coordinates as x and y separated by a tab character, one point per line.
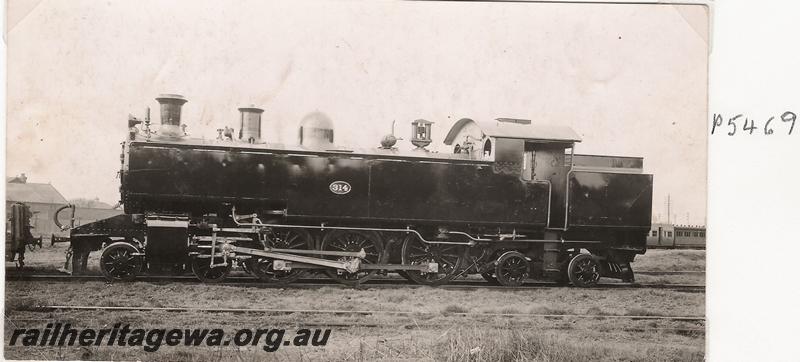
512	269
120	262
583	271
448	257
354	241
261	268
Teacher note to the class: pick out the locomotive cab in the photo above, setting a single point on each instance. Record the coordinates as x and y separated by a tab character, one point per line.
536	153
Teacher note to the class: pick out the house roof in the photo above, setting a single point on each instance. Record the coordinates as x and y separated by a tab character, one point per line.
517	128
33	192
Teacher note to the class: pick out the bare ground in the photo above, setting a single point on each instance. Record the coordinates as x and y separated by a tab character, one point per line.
435	332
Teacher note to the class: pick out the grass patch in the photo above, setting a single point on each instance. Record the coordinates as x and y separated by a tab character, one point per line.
671	260
508	310
542	309
452	308
397	298
109	303
597	311
635	311
26	304
478	345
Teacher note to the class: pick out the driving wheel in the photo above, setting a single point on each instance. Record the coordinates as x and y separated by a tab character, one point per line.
262	268
354	241
448	257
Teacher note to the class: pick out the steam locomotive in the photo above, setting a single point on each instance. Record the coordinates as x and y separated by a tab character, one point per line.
511	202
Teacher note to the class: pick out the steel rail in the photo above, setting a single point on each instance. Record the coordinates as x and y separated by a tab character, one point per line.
359	312
352	325
247	281
669	272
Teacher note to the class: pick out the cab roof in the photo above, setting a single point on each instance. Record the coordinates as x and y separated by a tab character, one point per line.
518	129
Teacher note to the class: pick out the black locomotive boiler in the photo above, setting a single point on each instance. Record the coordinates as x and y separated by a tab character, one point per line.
512	201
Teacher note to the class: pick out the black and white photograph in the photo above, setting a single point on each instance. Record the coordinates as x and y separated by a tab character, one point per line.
359	180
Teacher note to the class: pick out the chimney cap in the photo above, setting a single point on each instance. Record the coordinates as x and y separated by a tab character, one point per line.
172	97
251	108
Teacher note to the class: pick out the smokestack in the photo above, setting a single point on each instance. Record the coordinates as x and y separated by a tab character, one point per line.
250	126
171	114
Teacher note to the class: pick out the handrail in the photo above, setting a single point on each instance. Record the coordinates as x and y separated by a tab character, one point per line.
473	240
258	223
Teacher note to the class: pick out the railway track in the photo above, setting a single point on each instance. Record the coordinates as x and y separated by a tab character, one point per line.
669	272
271	311
246	281
688	325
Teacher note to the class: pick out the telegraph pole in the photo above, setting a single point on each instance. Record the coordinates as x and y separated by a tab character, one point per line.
669	212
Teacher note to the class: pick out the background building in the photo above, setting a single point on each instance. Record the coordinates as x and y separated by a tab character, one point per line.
44	200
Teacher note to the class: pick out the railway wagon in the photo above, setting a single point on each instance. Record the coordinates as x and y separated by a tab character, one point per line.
671	236
18	233
510	202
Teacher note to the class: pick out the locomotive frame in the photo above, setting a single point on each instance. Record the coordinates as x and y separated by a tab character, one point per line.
512	202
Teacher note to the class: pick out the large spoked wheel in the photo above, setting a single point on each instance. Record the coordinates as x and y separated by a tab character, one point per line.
449	258
354	241
201	267
583	271
262	268
119	262
512	269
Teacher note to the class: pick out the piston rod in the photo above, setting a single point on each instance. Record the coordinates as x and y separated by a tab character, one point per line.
351	266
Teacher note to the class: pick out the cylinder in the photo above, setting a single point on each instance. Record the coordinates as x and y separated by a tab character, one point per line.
250	126
171	113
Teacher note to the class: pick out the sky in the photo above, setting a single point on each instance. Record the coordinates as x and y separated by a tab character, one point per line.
632	80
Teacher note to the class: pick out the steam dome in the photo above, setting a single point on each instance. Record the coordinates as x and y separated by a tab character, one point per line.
316	131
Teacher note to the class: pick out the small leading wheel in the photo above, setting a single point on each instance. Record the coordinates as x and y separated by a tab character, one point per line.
512	269
583	271
201	267
261	268
119	262
489	277
354	241
449	258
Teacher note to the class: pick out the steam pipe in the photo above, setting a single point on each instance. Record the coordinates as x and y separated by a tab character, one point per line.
71	217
